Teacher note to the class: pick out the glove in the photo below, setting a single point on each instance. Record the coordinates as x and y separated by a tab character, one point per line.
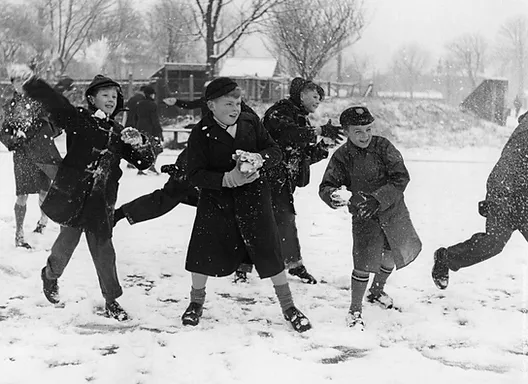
367	207
168	168
131	136
334	132
236	178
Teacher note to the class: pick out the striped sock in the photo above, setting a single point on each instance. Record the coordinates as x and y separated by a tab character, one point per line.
284	295
359	283
198	295
380	279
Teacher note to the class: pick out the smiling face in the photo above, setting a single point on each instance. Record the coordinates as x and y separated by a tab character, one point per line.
360	135
226	108
310	100
105	99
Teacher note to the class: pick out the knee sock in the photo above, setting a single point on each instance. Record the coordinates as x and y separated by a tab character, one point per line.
20	214
198	295
379	281
284	295
359	283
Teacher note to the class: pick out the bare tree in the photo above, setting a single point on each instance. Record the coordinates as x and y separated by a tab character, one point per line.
408	65
220	38
513	48
308	33
170	30
468	52
71	24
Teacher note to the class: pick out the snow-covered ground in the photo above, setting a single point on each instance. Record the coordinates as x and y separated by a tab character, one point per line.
474	332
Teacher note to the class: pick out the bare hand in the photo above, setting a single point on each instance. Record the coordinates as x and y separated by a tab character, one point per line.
170	101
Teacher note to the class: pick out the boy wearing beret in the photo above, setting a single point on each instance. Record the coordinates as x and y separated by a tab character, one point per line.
84	191
227	150
373	171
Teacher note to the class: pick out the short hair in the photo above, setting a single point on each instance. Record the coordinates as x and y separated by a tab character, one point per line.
311	86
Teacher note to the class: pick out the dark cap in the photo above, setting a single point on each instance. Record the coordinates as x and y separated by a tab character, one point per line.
219	87
357	115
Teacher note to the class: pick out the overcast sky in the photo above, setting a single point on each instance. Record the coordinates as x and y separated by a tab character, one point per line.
431	23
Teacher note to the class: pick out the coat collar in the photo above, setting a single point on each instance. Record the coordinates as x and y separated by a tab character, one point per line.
354	150
215	132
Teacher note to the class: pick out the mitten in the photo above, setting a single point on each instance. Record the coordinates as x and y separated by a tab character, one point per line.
367	207
168	168
339	198
334	132
236	178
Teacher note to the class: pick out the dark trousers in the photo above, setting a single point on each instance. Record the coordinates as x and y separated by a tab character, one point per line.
483	246
103	255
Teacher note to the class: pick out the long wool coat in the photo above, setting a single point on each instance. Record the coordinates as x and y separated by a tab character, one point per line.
231	223
507	184
27	132
84	191
378	170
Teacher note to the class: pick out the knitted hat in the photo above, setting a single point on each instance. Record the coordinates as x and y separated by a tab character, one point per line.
357	115
148	90
219	87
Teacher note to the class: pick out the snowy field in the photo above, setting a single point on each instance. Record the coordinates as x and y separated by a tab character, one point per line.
474	332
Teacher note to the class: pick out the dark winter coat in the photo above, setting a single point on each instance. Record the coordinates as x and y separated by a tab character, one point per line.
507	185
231	223
27	132
147	119
84	191
378	170
131	106
287	123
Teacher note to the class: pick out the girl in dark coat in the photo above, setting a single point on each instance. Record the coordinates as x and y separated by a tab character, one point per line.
83	194
28	134
505	210
234	216
287	123
372	169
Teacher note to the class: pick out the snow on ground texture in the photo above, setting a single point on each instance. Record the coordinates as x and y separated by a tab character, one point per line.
474	332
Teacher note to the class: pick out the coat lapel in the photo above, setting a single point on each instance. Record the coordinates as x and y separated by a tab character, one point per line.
215	132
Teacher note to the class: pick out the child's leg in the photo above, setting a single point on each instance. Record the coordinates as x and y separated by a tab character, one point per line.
104	258
199	282
194	311
282	289
43	221
359	283
20	214
380	278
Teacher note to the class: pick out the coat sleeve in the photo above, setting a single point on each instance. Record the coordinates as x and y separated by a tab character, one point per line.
197	162
141	156
398	178
190	104
334	177
285	130
268	148
317	152
64	115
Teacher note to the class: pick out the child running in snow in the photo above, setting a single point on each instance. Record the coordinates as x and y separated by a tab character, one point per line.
234	216
83	193
383	236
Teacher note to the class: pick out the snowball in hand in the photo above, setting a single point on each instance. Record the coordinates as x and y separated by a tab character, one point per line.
341	196
131	136
248	162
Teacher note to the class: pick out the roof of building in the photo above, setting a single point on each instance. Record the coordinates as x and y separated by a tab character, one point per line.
249	66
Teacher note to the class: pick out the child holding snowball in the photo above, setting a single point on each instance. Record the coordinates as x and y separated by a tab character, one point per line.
84	191
227	150
373	172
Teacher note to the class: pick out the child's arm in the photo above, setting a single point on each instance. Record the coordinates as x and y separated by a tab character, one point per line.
333	178
197	162
61	112
137	149
398	178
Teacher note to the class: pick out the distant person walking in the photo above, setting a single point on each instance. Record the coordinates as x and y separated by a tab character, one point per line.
147	121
